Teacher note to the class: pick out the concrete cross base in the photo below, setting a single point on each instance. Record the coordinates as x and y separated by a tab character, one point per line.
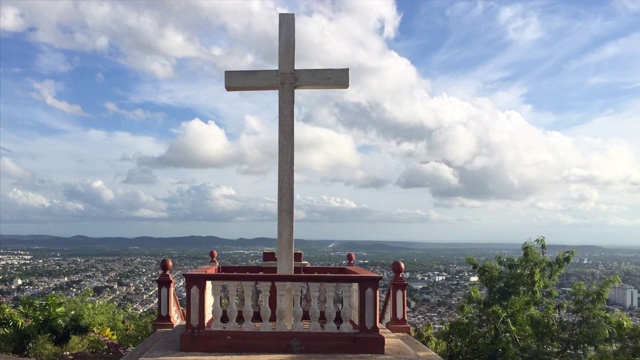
290	342
406	329
295	265
269	259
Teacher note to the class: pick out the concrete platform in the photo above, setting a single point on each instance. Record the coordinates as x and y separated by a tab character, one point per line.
164	344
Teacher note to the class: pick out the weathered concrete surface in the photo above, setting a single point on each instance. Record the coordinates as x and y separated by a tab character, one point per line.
164	345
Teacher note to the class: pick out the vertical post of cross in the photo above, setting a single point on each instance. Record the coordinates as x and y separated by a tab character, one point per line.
286	79
286	94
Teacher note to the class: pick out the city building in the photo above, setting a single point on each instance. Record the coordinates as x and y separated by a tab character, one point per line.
624	295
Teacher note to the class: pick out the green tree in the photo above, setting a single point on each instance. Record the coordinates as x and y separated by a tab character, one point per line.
428	338
516	313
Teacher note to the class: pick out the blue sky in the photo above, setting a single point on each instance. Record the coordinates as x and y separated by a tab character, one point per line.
464	121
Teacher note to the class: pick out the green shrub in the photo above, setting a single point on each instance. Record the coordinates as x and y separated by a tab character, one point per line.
45	328
43	348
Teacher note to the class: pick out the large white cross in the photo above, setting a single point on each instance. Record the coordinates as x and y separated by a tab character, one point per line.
286	79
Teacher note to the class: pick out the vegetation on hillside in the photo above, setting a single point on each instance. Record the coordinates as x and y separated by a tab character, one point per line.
49	327
516	312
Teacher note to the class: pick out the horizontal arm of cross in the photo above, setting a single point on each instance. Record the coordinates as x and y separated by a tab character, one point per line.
247	80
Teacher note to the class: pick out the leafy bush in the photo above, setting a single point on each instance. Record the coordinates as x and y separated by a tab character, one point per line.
45	328
43	348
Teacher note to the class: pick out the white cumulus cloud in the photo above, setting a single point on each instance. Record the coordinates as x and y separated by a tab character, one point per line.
47	93
135	114
11	19
9	168
29	199
198	145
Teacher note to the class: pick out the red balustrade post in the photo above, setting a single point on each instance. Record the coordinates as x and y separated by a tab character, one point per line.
166	298
199	299
369	336
351	259
369	309
213	258
398	299
195	303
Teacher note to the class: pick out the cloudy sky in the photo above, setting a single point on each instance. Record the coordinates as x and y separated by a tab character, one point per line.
464	121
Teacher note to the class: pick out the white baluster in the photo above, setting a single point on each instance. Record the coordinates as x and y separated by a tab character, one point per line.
254	298
217	309
247	310
330	311
297	308
307	298
288	301
240	296
314	312
265	311
355	303
232	309
208	302
346	307
281	310
322	298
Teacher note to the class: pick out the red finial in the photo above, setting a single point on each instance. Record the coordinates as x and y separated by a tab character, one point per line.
351	259
213	255
166	265
398	268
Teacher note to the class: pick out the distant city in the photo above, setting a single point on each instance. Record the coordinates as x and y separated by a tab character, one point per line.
124	270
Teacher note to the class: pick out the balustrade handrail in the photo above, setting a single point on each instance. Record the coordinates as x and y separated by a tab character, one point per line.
360	303
345	274
318	309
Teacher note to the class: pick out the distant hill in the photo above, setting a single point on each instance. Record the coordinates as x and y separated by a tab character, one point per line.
209	242
122	242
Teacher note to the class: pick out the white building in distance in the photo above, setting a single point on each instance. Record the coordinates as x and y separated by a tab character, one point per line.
624	295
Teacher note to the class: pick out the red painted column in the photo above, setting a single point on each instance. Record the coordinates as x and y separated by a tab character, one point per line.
201	303
190	283
369	339
398	298
368	313
165	281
